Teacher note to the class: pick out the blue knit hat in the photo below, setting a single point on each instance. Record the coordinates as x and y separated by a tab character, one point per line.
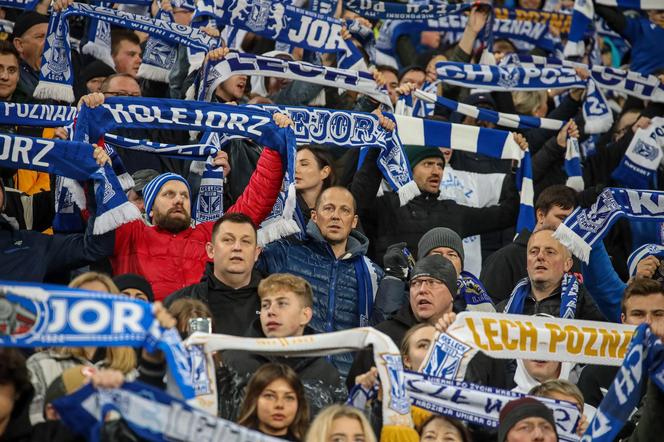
152	188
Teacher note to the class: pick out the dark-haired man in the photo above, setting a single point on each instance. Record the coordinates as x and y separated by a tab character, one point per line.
126	51
9	71
230	284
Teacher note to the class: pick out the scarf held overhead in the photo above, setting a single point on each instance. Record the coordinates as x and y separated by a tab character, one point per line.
49	315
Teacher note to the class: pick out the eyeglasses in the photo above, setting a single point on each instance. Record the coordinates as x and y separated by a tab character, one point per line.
123	94
430	282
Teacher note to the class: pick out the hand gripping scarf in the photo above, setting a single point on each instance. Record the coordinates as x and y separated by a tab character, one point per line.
72	160
584	227
55	75
643	252
54	316
642	157
397	423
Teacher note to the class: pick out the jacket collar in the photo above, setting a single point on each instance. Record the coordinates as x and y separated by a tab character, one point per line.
215	284
357	245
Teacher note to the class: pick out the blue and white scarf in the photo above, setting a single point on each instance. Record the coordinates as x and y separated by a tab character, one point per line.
367	287
27	5
6	27
60	316
411	11
644	360
73	160
249	64
98	38
209	202
643	252
526	189
56	77
584	227
284	23
572	165
582	17
569	291
480	404
642	157
474	293
41	115
160	55
150	413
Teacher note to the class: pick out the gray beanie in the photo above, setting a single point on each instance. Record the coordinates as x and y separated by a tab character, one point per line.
440	237
437	267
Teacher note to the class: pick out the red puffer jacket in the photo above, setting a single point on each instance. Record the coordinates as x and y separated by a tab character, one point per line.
173	261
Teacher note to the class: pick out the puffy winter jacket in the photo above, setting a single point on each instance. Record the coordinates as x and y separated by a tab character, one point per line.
171	261
333	280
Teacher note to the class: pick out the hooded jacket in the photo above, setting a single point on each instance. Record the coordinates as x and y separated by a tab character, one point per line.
334	281
232	309
323	385
172	261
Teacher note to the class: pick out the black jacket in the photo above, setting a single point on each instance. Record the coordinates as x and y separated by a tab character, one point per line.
232	309
586	307
26	255
323	385
386	222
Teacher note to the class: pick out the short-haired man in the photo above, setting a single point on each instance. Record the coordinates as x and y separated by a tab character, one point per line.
333	260
229	286
642	302
504	268
29	34
549	287
9	71
286	308
126	51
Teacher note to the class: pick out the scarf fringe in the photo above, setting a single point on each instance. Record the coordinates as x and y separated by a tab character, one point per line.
574	49
111	219
598	125
154	73
573	242
126	181
46	90
576	183
276	230
98	51
407	192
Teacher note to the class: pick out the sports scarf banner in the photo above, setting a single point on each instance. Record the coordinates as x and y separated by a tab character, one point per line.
354	130
395	401
525	187
642	157
195	115
98	37
55	75
510	336
50	315
572	165
569	291
209	203
644	360
480	404
42	115
584	227
582	17
159	57
7	28
150	413
643	252
27	5
474	293
249	64
284	23
72	160
380	10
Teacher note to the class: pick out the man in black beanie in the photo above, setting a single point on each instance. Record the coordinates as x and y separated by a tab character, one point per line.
526	420
29	34
135	286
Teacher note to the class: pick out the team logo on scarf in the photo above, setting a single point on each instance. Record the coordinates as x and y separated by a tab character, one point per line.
593	219
509	78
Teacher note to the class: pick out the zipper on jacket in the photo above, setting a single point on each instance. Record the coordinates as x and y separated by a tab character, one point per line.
330	297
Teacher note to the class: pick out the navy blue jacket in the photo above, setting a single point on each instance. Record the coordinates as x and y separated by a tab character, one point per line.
333	280
26	255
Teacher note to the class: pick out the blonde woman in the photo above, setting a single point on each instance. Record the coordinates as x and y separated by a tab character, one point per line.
46	365
340	423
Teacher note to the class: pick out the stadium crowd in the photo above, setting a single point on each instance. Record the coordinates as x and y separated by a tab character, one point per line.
363	255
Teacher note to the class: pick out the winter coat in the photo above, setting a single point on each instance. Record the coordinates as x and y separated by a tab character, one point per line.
334	281
387	222
586	307
232	309
323	385
27	255
172	261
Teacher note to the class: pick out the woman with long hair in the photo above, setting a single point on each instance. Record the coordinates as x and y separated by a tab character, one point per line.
340	423
45	366
314	172
274	403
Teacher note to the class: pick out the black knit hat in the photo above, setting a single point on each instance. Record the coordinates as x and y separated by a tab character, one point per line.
416	154
437	267
96	69
27	20
520	409
440	237
134	281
